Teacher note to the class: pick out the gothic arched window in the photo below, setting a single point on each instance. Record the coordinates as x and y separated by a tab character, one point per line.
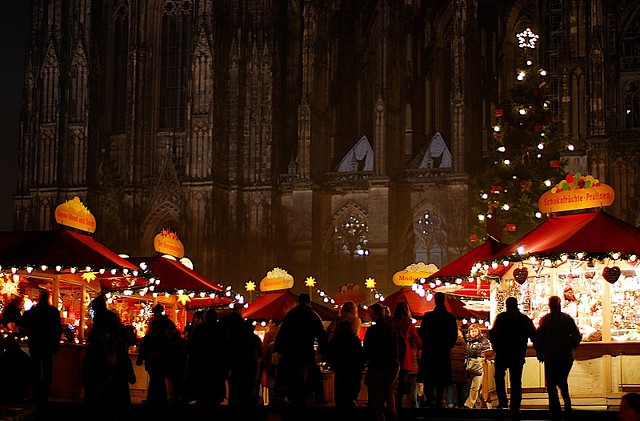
349	245
632	104
430	244
174	62
631	44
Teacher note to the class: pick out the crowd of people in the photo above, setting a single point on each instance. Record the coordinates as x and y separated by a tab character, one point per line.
217	358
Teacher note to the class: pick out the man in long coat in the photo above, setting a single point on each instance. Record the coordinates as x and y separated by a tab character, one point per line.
438	332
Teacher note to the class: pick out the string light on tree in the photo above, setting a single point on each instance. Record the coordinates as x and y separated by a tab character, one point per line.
523	154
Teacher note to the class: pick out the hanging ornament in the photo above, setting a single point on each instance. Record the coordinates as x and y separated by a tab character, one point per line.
496	189
10	286
498	112
473	238
511	228
611	274
525	185
520	275
554	164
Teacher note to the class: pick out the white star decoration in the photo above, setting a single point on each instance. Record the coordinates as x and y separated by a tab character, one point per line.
527	39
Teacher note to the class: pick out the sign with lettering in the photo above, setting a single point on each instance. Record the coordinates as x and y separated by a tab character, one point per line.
413	273
73	213
277	279
167	242
576	192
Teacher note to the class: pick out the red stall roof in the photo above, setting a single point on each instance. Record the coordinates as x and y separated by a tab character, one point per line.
67	249
174	275
275	305
461	267
594	233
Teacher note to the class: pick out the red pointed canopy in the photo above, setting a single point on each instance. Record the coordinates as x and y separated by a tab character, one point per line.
67	249
57	247
420	305
174	275
594	233
276	305
461	267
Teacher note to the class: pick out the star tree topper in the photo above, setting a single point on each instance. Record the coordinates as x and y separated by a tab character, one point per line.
527	39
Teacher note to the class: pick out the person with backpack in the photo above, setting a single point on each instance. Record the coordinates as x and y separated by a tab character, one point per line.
383	348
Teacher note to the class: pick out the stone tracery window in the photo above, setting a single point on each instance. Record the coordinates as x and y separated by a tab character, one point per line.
349	245
430	238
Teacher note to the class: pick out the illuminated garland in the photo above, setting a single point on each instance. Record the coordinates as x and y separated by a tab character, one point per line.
552	259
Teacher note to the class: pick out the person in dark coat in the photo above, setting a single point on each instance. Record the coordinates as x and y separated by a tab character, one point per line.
555	340
207	364
14	385
509	336
383	348
298	371
106	329
164	354
438	331
244	371
44	329
346	359
12	314
459	377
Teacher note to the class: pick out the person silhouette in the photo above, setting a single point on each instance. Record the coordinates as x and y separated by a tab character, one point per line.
346	358
509	336
44	329
298	373
439	332
555	340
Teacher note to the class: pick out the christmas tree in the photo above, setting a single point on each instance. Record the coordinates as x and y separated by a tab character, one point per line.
524	155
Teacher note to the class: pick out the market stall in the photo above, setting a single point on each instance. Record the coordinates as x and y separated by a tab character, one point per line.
74	268
179	288
590	260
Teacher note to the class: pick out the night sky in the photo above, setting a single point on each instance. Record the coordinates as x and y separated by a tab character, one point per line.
14	26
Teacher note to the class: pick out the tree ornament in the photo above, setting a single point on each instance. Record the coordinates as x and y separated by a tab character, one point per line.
611	274
520	275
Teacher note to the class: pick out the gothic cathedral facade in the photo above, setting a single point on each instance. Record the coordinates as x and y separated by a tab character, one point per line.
332	138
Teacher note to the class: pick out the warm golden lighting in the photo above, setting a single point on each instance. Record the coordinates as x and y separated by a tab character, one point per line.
250	286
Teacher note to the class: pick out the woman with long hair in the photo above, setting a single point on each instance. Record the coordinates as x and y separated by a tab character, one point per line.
403	321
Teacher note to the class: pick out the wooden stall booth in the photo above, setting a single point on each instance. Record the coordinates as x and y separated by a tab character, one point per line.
589	260
74	268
